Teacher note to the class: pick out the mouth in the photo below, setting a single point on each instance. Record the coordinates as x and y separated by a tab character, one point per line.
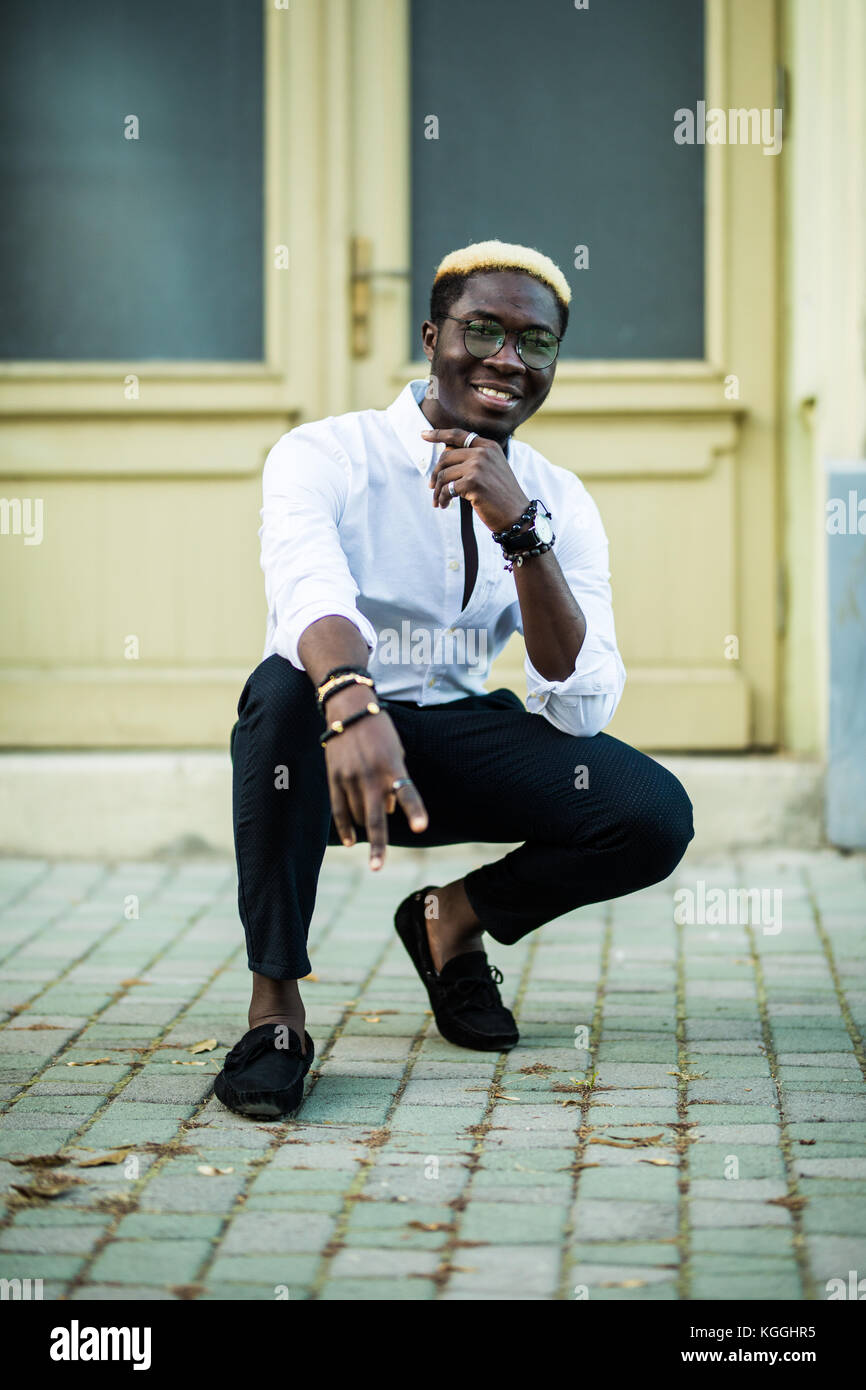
496	397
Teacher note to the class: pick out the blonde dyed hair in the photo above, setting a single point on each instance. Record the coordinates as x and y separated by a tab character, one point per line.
504	255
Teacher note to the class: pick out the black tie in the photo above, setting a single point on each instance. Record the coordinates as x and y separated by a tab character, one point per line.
470	549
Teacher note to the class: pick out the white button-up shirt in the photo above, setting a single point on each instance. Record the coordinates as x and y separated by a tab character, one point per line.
349	529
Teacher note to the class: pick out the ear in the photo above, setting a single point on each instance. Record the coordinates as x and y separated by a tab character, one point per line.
429	338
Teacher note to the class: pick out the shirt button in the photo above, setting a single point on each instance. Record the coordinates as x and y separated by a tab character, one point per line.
454	564
431	681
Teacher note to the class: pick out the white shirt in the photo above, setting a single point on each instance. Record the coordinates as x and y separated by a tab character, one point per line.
349	528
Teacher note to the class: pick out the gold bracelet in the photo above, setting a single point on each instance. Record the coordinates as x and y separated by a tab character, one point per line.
340	682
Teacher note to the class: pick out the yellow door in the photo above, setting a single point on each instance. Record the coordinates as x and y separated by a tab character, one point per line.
675	437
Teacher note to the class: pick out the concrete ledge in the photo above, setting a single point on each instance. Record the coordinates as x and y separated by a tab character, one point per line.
144	805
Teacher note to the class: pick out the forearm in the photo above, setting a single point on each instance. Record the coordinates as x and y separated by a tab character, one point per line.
331	642
554	627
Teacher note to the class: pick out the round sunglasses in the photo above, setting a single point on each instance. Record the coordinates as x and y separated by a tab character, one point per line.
536	347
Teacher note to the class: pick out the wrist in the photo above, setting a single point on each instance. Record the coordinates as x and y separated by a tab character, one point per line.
348	701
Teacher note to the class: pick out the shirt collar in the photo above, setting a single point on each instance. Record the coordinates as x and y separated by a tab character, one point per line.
407	419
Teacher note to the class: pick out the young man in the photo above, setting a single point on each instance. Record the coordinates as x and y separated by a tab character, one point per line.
401	549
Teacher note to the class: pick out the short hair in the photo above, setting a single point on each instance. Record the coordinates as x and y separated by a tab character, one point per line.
455	269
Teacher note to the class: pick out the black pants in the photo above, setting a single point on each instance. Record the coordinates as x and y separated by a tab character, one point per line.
598	819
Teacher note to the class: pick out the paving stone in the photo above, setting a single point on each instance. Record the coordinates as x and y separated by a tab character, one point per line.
617	1219
266	1233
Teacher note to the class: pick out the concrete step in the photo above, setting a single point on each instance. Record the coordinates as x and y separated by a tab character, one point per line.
137	805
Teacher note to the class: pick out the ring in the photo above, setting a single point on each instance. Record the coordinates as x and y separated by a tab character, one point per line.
452	489
469	438
401	782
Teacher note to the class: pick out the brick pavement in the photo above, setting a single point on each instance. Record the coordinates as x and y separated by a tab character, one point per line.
685	1117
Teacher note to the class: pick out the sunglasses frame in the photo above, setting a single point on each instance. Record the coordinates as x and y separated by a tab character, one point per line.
506	334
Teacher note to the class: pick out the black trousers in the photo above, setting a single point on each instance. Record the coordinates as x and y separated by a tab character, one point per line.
597	818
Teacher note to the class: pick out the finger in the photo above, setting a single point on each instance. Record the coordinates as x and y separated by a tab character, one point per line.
355	798
340	812
448	460
413	807
374	816
442	493
453	436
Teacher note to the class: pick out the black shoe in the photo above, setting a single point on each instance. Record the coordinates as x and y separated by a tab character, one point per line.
260	1078
463	995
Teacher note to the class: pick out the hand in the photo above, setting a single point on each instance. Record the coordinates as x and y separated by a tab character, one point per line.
362	765
481	474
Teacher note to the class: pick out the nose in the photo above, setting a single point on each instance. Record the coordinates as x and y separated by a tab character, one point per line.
508	357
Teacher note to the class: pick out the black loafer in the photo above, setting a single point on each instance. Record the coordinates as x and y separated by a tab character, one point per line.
463	995
260	1078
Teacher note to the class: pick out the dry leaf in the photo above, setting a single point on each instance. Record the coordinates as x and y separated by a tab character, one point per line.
371	1018
207	1046
208	1172
791	1203
807	1141
94	1062
659	1162
115	1202
627	1143
537	1069
624	1284
115	1156
39	1161
430	1225
178	1062
128	984
186	1290
46	1185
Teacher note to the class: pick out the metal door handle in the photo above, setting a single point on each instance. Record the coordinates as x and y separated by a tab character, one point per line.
361	276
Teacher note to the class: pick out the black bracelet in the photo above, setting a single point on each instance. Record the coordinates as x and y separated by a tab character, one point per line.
332	682
519	556
340	726
528	515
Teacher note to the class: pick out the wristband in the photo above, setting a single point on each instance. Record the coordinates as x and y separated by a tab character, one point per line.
340	679
340	726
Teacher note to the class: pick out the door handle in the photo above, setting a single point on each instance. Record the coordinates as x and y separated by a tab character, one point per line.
361	277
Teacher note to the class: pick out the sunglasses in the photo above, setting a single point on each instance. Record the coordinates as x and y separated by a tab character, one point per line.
536	347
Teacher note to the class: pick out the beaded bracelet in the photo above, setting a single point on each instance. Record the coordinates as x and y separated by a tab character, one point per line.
340	726
521	555
528	515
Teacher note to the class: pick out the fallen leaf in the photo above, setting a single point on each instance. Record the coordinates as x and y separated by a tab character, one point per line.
115	1156
689	1075
371	1018
624	1284
40	1028
537	1069
128	984
207	1046
627	1143
46	1185
115	1202
659	1162
40	1161
178	1062
807	1141
94	1062
791	1203
430	1225
186	1290
208	1172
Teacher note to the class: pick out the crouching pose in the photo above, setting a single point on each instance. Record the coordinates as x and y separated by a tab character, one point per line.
401	549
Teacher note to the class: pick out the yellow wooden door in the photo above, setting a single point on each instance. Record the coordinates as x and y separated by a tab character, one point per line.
678	453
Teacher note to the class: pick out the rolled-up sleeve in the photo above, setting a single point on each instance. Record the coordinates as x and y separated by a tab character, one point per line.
586	700
307	574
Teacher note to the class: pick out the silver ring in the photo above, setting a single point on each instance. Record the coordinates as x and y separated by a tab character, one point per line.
452	489
469	438
401	782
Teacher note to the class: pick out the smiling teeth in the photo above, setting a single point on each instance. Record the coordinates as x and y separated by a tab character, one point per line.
497	395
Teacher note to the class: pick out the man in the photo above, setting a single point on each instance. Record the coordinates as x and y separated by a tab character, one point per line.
428	520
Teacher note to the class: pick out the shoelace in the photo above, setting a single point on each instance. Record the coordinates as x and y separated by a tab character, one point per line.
475	991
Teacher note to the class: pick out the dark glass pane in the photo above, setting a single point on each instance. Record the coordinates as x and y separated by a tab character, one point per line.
556	129
115	248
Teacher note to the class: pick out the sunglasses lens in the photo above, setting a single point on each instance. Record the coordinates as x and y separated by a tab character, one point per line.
538	349
483	339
